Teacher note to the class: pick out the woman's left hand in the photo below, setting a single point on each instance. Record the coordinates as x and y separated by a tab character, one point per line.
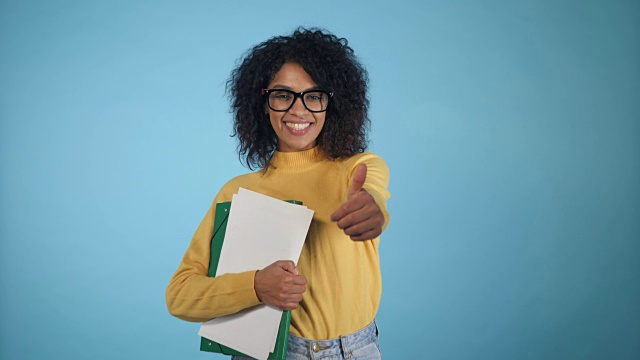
360	217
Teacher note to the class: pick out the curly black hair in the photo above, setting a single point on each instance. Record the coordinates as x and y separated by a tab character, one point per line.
331	63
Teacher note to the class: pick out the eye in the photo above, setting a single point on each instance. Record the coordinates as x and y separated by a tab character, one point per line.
314	96
281	95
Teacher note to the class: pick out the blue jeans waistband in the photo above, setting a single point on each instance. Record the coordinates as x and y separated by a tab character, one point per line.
342	345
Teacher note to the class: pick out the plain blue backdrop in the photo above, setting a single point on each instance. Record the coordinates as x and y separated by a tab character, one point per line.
511	128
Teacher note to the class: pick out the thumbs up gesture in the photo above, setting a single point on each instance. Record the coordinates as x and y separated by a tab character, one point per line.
360	217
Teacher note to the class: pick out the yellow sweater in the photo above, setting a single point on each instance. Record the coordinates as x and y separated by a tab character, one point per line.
343	276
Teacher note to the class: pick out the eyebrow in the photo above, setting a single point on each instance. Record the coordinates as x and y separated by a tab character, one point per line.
285	87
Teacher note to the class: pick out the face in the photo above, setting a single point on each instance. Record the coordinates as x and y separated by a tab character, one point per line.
297	128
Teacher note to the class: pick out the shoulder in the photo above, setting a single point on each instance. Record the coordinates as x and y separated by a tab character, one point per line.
232	186
373	161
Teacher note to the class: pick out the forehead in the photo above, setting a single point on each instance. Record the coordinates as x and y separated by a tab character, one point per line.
293	76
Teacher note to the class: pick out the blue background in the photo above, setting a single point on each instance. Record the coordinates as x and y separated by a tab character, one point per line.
512	130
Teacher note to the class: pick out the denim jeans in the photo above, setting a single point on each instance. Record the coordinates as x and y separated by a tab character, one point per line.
361	345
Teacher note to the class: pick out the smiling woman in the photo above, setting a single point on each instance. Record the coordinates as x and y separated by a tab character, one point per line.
300	115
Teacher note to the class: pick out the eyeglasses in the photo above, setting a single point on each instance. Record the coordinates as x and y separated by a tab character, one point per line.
282	100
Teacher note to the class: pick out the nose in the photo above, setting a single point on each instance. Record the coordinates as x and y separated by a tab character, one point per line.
298	107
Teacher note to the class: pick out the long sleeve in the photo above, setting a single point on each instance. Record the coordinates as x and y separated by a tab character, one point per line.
377	181
194	296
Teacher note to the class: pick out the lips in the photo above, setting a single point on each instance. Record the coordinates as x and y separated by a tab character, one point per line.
296	134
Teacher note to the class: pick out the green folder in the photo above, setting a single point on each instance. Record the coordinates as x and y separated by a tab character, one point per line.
219	230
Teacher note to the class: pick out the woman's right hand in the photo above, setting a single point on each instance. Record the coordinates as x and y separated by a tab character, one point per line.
280	285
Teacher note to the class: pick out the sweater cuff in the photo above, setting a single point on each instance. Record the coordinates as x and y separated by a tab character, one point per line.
382	203
248	296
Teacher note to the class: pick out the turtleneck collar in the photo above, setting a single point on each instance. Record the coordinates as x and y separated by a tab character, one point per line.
297	160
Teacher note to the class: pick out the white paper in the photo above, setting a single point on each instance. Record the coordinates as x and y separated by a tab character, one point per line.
260	231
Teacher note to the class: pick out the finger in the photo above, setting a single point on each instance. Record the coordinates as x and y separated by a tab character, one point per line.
372	229
360	228
369	213
354	204
360	205
289	266
290	306
369	235
362	222
296	289
358	180
338	214
291	298
354	218
300	280
344	211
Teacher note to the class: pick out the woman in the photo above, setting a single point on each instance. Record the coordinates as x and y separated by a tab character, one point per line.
301	114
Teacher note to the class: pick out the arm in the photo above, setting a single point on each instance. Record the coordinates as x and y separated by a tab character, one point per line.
194	296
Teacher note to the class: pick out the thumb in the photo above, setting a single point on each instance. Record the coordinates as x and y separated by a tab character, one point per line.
289	266
358	180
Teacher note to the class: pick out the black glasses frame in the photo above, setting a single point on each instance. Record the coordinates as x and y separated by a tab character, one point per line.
297	95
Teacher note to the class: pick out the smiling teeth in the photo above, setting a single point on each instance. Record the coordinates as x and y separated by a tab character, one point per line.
297	126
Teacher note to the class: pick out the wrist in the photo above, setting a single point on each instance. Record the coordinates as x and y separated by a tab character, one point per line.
255	287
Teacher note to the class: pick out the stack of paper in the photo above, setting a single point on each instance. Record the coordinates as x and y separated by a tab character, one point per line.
260	231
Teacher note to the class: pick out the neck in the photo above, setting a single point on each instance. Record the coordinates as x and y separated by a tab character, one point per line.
296	159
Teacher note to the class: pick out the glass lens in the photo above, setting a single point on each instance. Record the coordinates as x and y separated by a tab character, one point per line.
281	99
316	100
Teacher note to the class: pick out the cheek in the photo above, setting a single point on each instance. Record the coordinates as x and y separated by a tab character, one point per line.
274	119
320	121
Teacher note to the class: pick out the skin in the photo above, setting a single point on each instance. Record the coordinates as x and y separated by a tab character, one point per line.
279	284
292	76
